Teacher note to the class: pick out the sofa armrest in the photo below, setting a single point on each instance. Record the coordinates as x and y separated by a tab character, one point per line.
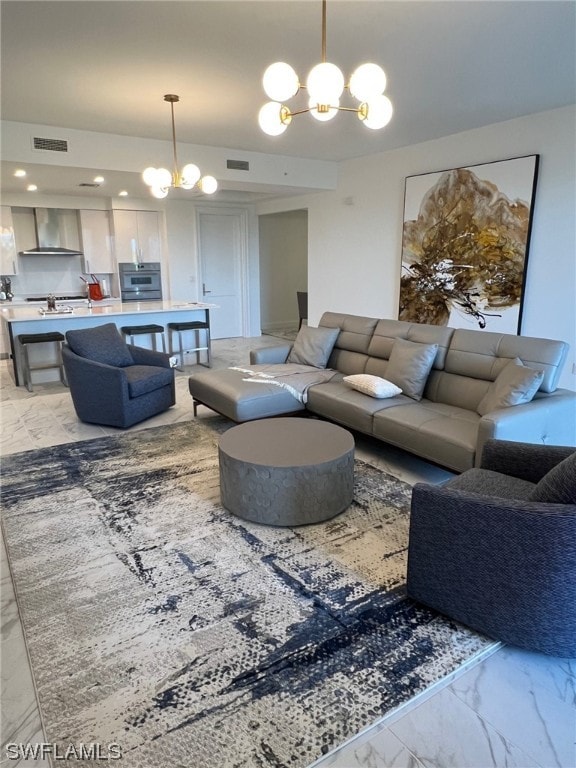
269	355
526	461
546	420
142	356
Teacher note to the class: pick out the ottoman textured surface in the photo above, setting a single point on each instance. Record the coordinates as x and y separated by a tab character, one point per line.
286	471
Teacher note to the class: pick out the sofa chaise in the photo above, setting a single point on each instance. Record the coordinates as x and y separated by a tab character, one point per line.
458	387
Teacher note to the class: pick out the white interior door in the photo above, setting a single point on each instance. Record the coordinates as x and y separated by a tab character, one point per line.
221	244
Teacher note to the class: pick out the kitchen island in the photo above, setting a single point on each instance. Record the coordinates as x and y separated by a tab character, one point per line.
32	319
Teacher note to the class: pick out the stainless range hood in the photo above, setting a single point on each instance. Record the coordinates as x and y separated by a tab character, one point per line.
55	228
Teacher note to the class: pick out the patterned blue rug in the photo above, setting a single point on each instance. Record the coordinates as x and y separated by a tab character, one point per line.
160	624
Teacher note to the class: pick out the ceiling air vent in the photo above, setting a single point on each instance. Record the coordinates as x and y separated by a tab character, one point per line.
50	145
238	165
88	184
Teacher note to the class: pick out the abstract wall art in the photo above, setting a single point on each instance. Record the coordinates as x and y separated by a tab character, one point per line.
465	242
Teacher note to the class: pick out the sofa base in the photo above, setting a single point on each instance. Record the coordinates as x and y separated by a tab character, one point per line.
225	392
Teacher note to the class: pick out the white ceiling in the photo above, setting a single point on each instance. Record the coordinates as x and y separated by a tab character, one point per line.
452	66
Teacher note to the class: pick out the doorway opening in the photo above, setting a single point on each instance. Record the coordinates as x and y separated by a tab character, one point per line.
283	239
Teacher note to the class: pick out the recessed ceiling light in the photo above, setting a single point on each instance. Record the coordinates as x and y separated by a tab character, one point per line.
98	179
19	173
123	193
31	187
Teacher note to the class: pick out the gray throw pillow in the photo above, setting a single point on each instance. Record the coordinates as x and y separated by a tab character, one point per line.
409	366
516	384
313	346
103	344
559	485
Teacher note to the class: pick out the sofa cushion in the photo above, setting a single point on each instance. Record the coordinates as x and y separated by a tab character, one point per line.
558	486
143	379
409	366
336	401
441	433
515	384
372	385
103	344
313	346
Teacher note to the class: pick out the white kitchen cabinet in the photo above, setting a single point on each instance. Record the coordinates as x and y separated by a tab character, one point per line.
137	236
8	255
96	233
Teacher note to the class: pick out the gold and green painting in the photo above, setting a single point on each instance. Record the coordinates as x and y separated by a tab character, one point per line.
465	243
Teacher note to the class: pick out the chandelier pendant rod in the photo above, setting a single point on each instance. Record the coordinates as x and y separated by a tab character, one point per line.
176	173
323	31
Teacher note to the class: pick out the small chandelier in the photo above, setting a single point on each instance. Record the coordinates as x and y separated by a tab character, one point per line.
325	85
160	179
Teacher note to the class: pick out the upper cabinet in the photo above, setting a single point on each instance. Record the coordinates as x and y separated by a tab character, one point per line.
8	254
96	233
137	236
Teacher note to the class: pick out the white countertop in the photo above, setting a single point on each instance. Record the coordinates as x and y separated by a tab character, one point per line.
106	308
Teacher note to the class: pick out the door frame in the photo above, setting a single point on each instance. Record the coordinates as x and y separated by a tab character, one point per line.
241	253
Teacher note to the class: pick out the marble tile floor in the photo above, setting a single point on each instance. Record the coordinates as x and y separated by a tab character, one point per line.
513	709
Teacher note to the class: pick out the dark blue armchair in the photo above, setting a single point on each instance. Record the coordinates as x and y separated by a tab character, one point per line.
495	547
113	383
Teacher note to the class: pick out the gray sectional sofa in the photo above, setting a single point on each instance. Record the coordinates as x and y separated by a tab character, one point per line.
446	418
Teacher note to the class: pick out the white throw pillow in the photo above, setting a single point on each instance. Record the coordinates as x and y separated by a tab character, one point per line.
372	385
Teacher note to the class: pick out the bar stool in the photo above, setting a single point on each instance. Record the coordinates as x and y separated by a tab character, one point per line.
151	330
25	340
197	326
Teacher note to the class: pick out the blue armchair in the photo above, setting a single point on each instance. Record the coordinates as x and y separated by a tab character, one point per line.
114	383
495	547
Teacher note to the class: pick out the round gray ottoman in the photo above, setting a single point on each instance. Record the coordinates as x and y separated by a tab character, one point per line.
286	471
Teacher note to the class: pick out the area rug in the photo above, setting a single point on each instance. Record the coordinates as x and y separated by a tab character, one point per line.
161	627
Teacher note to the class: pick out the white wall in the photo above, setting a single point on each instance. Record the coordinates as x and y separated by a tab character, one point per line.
283	267
355	232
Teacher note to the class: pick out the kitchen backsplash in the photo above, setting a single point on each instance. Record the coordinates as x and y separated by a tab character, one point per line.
41	275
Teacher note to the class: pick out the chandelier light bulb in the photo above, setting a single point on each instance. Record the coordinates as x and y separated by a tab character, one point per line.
149	176
190	175
159	192
368	81
163	178
280	81
274	118
323	112
208	185
377	112
325	83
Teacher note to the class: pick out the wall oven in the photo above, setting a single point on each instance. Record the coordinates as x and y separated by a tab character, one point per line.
140	281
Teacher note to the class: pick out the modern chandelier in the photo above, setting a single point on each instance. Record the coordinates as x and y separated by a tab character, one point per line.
325	85
160	179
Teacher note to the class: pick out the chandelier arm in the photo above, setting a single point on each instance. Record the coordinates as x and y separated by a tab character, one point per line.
299	112
348	109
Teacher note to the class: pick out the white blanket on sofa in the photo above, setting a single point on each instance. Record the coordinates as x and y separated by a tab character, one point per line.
296	379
